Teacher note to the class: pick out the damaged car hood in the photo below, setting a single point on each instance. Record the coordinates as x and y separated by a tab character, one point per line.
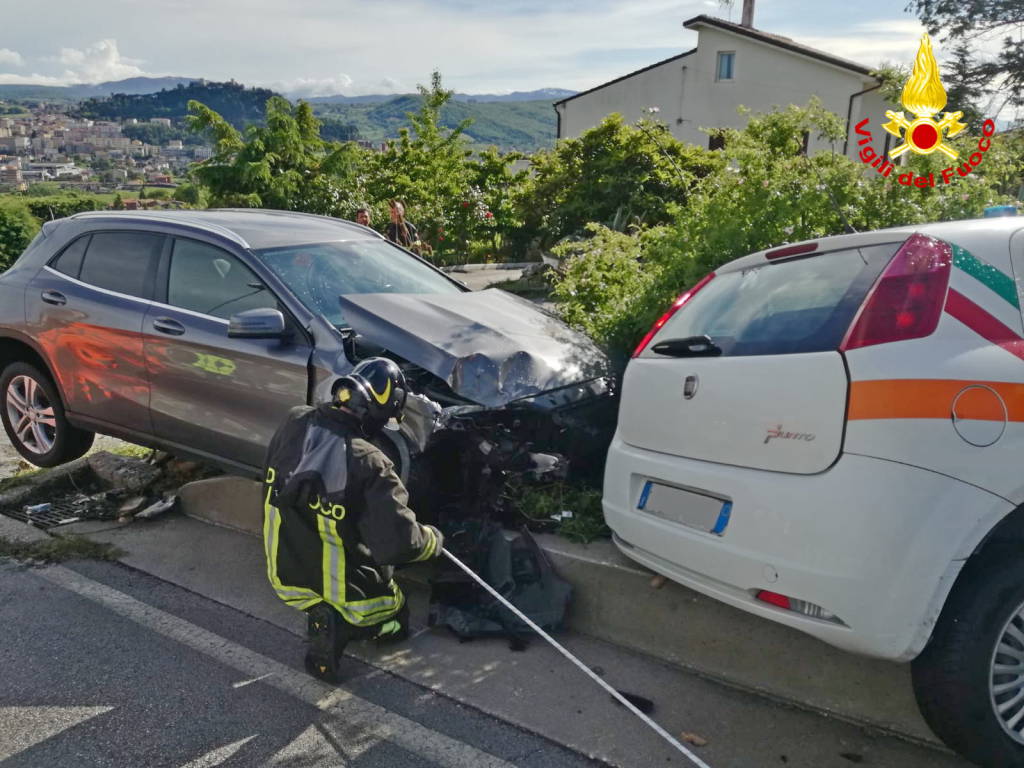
489	346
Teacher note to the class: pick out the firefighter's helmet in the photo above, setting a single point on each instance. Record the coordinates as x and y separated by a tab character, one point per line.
375	392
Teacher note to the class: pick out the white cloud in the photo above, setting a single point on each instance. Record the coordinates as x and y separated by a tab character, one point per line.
9	78
97	63
7	56
305	86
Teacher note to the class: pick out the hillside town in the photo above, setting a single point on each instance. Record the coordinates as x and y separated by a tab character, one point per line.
87	155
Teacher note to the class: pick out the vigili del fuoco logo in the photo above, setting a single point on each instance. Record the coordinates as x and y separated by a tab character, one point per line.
924	97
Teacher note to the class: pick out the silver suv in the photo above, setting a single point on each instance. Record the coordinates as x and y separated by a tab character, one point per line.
196	331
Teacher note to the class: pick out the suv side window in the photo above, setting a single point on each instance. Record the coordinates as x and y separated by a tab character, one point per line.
70	260
208	280
122	261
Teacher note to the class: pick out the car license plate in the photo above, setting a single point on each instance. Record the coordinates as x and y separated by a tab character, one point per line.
694	510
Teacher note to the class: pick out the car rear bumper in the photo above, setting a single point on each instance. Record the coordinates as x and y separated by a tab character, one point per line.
876	543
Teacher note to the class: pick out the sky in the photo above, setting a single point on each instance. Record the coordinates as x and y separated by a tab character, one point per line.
324	47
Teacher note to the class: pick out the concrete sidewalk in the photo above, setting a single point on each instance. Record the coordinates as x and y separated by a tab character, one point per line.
536	689
615	602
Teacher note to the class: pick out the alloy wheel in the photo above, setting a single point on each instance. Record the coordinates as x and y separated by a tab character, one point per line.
1006	676
30	414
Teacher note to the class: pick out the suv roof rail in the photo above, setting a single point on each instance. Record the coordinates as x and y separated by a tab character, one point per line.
192	221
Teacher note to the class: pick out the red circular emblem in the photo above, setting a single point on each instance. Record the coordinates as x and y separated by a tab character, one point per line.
925	135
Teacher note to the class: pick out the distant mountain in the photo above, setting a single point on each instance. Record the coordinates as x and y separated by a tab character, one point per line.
542	94
133	86
522	125
236	103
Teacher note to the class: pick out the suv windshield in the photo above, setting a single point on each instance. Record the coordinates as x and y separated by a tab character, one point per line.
784	307
318	273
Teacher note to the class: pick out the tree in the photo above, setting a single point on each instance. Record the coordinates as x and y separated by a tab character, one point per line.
974	20
283	164
17	228
966	85
616	174
118	203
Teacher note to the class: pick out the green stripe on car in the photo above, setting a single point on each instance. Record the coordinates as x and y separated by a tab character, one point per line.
992	278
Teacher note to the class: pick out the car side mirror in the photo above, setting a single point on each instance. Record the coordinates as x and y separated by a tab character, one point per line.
262	323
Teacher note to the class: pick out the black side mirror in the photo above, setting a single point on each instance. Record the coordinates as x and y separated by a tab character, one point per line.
262	323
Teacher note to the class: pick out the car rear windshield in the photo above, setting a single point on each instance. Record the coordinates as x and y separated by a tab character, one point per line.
318	274
784	307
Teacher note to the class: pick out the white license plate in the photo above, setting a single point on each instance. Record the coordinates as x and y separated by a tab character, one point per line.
695	510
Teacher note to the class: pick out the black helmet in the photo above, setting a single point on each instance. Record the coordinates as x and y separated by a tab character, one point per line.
375	392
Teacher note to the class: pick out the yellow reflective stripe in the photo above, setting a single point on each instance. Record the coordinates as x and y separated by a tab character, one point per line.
373	611
430	548
333	560
298	597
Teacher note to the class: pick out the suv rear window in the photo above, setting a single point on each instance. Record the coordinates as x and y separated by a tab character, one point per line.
122	261
782	308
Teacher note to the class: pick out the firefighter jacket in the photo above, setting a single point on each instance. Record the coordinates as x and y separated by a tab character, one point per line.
336	519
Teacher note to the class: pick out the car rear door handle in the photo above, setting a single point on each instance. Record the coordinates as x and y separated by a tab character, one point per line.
168	326
54	297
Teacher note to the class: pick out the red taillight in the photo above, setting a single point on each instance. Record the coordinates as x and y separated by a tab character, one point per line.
676	305
907	300
773	598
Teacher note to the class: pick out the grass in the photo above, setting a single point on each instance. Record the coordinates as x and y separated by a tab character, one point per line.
18	478
541	503
131	451
57	549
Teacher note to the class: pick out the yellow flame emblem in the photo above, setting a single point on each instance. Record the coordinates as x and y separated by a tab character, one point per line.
924	96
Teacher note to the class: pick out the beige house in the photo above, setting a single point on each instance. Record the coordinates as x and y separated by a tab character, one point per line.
732	65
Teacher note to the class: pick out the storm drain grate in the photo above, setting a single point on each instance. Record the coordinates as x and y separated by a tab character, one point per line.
47	515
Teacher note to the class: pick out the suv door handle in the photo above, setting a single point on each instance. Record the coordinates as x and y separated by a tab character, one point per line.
54	297
168	326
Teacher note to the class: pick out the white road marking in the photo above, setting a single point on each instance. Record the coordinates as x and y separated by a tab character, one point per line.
218	756
250	681
311	747
22	728
361	724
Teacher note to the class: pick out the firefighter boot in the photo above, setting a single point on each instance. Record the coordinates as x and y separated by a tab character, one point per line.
326	642
396	629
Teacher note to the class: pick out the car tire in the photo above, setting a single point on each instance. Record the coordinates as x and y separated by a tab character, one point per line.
26	392
955	678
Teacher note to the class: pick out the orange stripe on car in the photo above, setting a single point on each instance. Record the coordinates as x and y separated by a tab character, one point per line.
933	399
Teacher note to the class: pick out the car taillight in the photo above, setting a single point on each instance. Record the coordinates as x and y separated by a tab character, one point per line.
797	606
907	300
676	306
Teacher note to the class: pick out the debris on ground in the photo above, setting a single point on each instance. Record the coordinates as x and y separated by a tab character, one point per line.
102	486
658	582
642	703
693	738
161	507
132	506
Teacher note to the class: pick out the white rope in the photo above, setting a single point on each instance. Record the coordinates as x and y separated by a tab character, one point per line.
583	667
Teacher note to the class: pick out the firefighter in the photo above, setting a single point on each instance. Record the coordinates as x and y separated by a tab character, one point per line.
336	518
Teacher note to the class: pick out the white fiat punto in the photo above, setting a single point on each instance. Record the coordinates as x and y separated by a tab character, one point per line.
829	435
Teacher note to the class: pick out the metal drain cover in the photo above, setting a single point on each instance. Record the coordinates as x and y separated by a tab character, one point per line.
56	513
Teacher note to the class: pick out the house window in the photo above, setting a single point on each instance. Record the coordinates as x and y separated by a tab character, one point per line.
726	59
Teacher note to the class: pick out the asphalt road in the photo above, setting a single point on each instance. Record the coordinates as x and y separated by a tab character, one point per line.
103	666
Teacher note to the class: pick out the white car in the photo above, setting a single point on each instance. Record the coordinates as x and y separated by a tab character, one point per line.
829	435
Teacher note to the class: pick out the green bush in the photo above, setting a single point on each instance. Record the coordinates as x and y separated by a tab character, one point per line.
766	193
59	206
17	228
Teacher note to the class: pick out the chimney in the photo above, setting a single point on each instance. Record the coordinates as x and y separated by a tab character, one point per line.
748	14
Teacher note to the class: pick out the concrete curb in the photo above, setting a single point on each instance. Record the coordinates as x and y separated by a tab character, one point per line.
481	267
15	530
615	601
